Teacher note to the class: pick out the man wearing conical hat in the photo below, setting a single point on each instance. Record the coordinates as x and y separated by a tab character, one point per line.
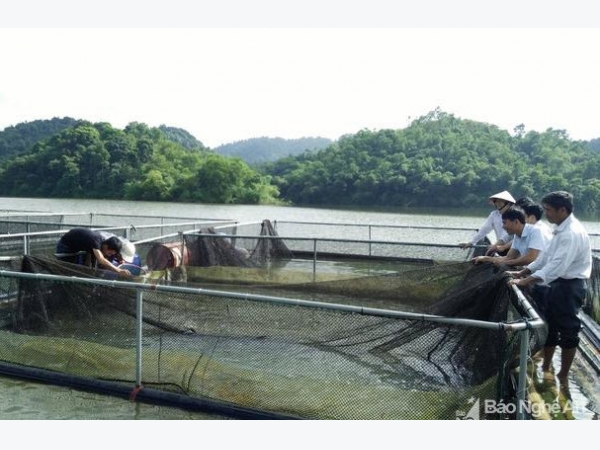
501	201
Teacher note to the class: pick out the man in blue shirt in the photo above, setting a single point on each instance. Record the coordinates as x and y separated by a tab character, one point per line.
528	240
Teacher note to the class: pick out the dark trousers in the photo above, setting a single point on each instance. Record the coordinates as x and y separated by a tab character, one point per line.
559	305
65	254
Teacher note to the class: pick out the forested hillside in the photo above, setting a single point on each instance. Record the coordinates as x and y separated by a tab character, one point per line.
20	138
440	161
182	137
261	150
137	163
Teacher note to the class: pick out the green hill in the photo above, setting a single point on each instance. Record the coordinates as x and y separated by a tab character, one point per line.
440	161
20	138
261	150
138	163
182	137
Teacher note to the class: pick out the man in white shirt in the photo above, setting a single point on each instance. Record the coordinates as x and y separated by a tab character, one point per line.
563	267
528	240
501	201
533	216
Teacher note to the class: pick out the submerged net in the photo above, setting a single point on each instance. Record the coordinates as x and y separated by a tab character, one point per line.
262	350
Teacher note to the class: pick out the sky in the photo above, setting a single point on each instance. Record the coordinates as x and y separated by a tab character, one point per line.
229	83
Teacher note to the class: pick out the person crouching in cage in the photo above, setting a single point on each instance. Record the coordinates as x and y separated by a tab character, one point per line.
89	247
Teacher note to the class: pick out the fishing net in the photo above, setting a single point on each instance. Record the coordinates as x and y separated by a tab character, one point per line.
592	300
279	335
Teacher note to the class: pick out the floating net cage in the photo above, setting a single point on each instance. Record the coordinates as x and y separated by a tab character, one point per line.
13	222
36	233
245	323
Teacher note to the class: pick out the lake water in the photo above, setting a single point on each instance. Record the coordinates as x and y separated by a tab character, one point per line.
24	400
256	213
242	213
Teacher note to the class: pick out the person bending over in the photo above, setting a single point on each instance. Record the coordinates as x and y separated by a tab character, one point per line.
96	247
528	241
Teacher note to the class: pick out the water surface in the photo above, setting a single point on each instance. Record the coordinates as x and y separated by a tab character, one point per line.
26	400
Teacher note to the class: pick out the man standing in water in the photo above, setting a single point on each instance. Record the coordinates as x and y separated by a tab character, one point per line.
562	269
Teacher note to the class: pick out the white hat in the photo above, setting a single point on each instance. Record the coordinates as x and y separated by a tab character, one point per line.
504	195
127	250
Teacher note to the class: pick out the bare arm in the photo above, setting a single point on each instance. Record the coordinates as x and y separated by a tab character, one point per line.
523	260
497	260
523	278
108	265
499	247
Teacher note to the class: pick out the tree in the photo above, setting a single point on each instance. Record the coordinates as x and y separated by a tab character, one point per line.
438	161
138	163
224	180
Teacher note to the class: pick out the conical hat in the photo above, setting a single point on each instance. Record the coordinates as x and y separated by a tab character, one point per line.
504	195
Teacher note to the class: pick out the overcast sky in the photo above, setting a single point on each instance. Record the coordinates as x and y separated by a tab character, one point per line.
228	84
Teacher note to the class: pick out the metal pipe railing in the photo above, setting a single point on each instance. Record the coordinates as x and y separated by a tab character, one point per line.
358	225
378	312
139	314
523	327
535	322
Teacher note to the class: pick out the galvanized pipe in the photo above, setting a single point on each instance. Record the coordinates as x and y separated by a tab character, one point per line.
514	326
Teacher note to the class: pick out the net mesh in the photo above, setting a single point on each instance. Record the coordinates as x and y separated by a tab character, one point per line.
268	354
243	335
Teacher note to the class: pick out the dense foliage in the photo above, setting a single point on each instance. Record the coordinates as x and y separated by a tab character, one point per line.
137	163
261	150
181	137
20	138
440	161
